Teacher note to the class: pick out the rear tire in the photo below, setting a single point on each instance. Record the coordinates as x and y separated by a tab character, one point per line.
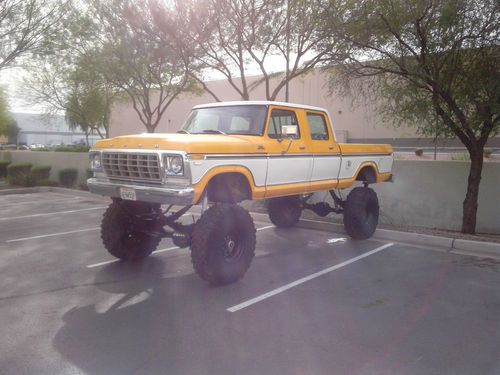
361	212
223	244
120	234
284	212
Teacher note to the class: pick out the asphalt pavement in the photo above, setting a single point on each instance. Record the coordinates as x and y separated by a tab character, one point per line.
312	302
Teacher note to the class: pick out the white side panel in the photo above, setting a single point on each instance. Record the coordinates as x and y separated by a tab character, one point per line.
289	170
326	168
350	164
256	166
385	164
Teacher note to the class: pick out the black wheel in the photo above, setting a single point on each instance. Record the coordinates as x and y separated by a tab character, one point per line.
284	212
361	213
120	230
223	244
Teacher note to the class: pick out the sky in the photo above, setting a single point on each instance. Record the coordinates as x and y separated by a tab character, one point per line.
11	80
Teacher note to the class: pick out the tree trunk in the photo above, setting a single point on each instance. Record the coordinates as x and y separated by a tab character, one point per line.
471	198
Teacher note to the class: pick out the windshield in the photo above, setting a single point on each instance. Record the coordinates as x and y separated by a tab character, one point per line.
242	119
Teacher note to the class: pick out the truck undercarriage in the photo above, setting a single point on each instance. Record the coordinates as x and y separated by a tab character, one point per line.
223	239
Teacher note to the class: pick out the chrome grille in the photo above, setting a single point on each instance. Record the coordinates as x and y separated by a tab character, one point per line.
131	166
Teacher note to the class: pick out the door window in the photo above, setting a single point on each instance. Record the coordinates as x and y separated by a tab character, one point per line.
280	118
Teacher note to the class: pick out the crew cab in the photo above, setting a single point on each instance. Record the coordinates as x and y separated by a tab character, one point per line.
226	153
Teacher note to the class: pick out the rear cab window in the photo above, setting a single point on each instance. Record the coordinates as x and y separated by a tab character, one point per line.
318	126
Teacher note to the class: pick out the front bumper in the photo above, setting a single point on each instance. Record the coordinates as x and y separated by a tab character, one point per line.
180	196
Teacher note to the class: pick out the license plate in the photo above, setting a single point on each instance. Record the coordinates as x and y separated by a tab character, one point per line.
128	194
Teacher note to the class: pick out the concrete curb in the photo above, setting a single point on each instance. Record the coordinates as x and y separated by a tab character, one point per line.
28	190
453	245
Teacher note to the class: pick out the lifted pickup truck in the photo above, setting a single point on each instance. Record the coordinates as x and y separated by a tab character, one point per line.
226	153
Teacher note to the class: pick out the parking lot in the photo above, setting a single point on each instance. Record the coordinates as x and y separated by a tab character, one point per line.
312	302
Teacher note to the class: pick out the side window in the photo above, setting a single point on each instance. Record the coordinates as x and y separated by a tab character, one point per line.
317	126
279	118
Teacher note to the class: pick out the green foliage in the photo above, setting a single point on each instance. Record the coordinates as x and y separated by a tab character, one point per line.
76	148
436	64
40	174
90	97
152	71
460	157
68	176
19	174
419	152
3	167
6	120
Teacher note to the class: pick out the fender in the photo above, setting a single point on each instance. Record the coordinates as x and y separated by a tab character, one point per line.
199	188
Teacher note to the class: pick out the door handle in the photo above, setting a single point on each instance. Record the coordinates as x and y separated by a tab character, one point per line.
302	147
331	147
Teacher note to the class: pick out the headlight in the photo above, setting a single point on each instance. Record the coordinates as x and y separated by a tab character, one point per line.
95	161
174	165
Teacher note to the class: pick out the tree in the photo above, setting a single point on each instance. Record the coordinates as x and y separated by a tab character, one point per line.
151	72
8	125
279	38
5	117
79	91
428	58
27	27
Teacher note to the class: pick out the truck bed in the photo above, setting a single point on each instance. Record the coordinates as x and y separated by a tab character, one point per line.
364	149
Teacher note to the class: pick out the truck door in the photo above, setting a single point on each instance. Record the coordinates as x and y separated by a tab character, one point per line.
290	159
326	152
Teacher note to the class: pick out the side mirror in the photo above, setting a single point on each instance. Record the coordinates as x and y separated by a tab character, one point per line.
289	131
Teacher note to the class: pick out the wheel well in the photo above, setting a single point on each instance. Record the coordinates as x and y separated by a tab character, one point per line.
367	174
230	187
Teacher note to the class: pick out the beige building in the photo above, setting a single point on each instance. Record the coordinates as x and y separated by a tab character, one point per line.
352	124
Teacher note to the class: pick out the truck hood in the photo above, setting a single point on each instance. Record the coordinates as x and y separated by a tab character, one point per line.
189	143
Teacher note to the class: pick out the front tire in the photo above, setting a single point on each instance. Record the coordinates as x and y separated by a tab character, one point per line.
284	212
223	244
120	231
361	212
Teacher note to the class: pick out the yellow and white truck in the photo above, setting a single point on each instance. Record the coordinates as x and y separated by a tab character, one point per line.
226	153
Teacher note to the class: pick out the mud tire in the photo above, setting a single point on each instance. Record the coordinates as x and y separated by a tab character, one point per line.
284	212
223	244
361	213
119	232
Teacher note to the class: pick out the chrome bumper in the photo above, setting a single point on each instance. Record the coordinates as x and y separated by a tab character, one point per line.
181	196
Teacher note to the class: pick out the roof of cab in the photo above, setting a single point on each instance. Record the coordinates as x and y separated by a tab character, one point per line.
259	102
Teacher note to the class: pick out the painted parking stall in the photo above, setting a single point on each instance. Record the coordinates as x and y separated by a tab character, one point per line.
313	302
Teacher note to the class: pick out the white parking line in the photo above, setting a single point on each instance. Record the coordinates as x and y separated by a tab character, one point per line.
53	213
154	252
269	226
41	200
52	234
305	279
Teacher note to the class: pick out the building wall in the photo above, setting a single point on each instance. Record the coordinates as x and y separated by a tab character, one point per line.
36	128
312	89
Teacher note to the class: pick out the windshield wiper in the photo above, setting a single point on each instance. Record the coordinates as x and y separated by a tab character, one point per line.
183	131
214	131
